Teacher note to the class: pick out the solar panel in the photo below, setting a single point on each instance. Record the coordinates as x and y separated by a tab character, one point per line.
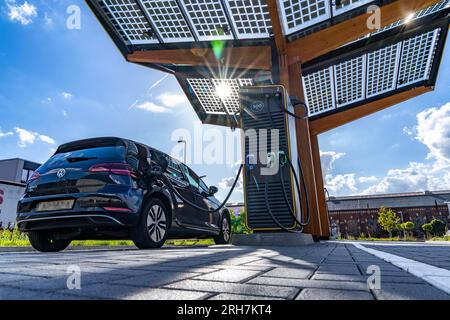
350	81
216	94
419	14
382	66
348	5
250	18
378	72
417	58
298	15
168	19
319	91
129	21
209	19
205	93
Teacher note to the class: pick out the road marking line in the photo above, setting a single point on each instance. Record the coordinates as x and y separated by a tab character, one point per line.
437	277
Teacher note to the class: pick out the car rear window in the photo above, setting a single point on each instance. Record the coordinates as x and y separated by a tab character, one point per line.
84	157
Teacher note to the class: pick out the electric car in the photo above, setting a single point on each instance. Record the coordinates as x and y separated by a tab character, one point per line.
113	188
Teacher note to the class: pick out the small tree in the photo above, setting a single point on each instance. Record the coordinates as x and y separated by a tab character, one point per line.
388	220
438	227
428	228
408	227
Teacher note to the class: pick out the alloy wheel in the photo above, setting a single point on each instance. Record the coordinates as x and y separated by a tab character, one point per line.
225	229
156	223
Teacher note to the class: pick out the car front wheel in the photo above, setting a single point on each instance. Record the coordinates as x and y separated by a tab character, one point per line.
225	231
152	229
45	242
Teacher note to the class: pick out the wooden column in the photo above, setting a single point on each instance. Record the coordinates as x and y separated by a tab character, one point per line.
308	150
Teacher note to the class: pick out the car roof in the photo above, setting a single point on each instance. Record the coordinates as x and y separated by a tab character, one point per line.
104	141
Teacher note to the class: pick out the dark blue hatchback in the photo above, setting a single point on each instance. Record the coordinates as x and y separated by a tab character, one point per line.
104	188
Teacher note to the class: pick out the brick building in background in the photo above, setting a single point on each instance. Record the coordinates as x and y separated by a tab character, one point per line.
358	215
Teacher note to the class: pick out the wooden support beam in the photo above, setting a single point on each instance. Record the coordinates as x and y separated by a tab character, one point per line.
305	154
329	39
257	57
338	119
277	29
323	217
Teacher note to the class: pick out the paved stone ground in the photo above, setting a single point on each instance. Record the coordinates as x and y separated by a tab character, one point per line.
435	255
320	271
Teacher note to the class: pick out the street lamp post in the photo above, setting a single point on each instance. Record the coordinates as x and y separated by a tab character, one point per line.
181	140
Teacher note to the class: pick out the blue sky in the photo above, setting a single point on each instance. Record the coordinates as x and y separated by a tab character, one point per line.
58	85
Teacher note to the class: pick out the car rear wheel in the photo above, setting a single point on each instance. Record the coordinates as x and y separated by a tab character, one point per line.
153	227
45	241
225	231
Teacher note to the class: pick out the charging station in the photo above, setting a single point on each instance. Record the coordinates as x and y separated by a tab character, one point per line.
319	52
269	141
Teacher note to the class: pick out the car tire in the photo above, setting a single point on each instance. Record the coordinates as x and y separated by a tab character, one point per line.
225	230
44	242
153	226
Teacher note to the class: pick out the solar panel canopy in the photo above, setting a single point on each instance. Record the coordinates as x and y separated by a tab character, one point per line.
372	74
161	24
140	22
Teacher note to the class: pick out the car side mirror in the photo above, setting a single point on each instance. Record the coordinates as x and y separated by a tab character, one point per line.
213	190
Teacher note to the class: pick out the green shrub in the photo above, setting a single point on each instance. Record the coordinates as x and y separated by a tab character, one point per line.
408	226
428	228
438	227
238	223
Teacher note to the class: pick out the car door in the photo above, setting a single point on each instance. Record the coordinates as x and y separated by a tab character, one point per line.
213	218
175	173
197	218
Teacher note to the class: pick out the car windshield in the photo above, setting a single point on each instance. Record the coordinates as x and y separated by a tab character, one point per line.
88	155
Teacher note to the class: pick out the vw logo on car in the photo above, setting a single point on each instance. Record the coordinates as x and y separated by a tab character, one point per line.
61	173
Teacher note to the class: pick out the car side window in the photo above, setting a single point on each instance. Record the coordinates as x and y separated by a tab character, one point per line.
192	177
174	170
203	187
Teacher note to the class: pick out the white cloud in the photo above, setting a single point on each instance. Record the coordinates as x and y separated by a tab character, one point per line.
172	99
416	177
367	179
328	158
433	130
67	95
227	183
46	139
48	21
341	182
151	107
6	134
408	131
22	13
27	137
